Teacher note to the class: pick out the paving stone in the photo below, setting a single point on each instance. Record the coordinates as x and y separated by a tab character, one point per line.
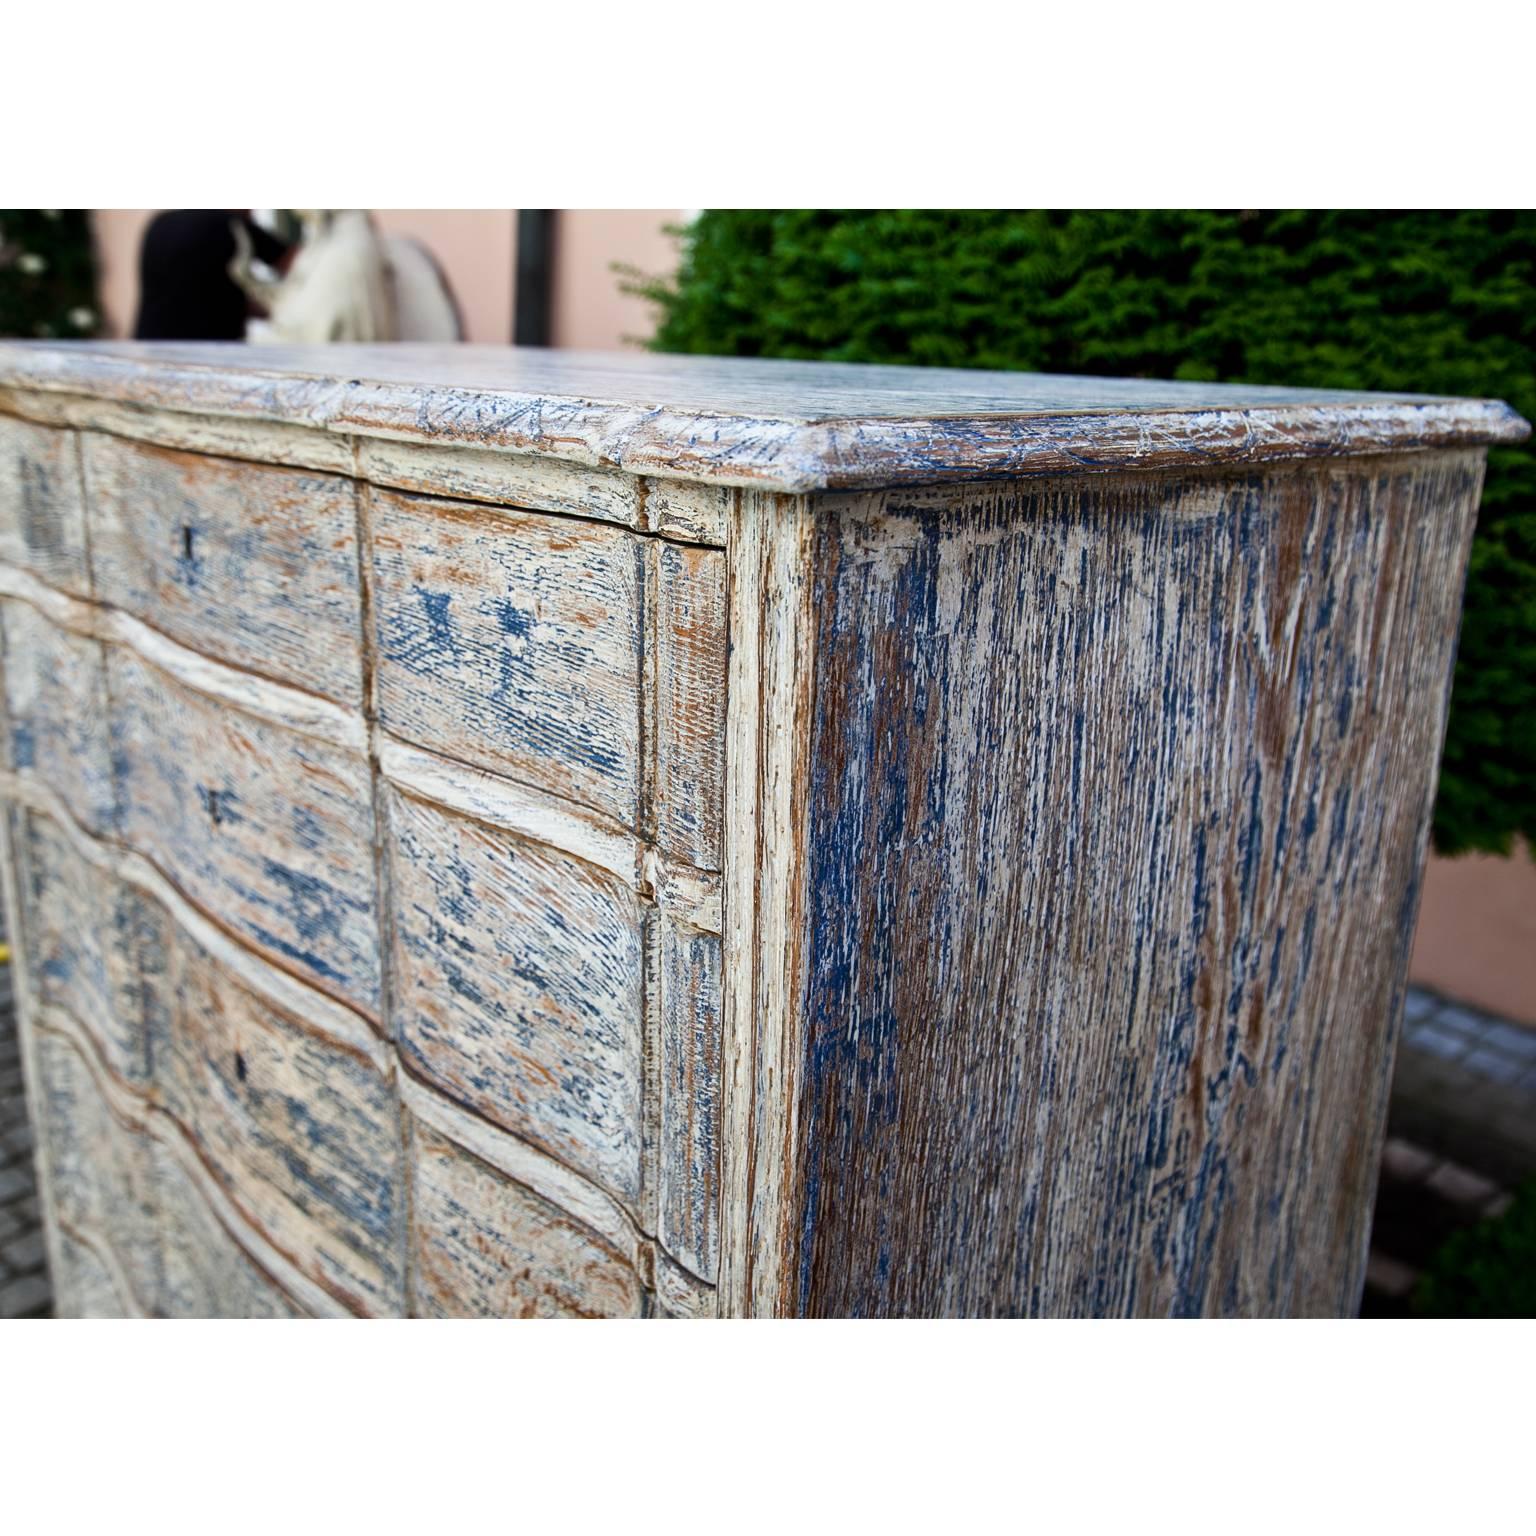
1514	1040
1403	1161
10	1224
1464	1020
1419	1005
26	1297
1388	1275
1451	1044
1495	1064
14	1182
1461	1185
25	1253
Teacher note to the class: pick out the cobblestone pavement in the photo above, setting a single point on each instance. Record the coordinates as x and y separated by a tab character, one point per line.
24	1288
1461	1134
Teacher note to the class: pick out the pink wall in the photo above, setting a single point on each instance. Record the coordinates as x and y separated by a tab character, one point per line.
1476	939
476	248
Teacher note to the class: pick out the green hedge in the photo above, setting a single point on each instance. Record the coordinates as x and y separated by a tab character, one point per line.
47	273
1428	302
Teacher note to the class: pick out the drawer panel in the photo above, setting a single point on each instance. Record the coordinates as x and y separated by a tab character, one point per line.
88	938
204	1272
519	982
56	707
512	641
300	1131
485	1246
253	564
267	830
42	515
101	1166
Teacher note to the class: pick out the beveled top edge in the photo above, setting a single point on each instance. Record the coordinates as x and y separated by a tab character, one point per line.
760	423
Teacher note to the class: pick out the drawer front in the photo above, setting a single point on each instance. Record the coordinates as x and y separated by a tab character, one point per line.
485	1246
513	641
42	514
268	831
301	1132
519	986
253	564
88	940
56	712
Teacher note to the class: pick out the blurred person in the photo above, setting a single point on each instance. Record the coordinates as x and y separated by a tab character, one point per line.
186	292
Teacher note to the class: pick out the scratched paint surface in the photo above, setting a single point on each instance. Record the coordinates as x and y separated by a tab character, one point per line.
519	974
485	1246
512	642
251	563
268	829
42	513
56	711
1120	799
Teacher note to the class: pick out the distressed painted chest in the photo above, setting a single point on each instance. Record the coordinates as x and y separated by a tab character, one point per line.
496	833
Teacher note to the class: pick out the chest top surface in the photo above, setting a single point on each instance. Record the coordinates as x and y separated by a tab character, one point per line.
766	423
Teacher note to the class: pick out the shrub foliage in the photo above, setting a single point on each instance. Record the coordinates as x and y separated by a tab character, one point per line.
1433	303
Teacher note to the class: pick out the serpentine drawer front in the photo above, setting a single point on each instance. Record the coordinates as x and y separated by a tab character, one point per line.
497	833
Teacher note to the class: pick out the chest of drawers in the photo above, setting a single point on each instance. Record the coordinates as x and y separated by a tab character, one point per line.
508	833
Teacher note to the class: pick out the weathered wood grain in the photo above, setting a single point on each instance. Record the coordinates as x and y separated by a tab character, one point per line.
229	437
685	510
485	1246
758	423
268	830
512	642
1120	793
522	481
689	1157
690	648
518	980
88	938
42	513
252	564
57	718
100	1164
301	1132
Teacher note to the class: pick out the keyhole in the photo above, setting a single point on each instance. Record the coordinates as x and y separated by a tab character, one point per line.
240	1066
186	541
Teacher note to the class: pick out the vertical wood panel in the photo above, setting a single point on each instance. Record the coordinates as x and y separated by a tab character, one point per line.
690	702
1120	798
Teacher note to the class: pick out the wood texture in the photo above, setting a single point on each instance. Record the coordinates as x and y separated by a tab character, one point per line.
42	512
510	834
519	987
266	828
1119	799
251	564
755	422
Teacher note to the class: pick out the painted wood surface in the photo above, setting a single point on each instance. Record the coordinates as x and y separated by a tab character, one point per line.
519	987
485	1246
57	717
547	864
755	422
1118	799
513	642
268	830
42	512
251	564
